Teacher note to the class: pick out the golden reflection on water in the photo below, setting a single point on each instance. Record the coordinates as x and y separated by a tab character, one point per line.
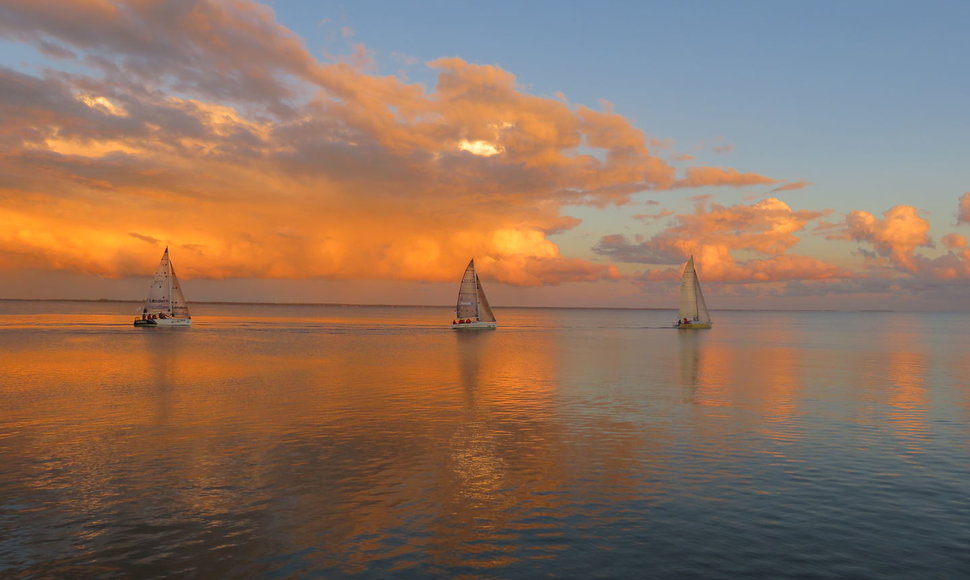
753	383
767	370
777	372
476	463
705	369
504	454
888	371
763	373
385	443
907	394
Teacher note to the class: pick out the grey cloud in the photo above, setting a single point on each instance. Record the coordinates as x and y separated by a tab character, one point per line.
618	247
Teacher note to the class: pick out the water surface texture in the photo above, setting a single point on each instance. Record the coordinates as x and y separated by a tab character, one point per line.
329	441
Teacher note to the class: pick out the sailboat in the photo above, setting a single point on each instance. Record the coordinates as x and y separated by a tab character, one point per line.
693	309
165	305
472	311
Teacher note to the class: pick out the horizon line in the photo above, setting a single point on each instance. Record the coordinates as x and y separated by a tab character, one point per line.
236	302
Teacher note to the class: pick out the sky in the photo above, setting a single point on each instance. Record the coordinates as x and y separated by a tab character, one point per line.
807	154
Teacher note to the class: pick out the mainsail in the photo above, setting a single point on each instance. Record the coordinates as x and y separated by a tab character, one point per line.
692	305
472	303
165	294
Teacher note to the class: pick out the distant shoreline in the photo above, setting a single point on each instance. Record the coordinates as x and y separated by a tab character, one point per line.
341	304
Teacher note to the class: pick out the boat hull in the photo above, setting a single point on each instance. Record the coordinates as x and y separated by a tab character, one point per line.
474	326
160	322
694	325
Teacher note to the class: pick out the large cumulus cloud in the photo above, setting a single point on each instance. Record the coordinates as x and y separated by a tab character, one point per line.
208	126
896	239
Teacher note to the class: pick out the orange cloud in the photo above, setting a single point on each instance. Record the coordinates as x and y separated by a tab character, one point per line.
766	227
220	135
716	176
954	265
954	241
895	237
723	268
715	233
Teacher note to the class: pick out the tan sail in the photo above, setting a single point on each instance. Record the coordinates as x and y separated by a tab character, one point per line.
472	310
693	308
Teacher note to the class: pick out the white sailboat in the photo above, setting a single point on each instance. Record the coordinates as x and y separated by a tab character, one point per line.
472	311
693	309
165	305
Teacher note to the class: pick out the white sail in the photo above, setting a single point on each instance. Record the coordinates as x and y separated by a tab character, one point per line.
165	303
160	294
472	310
692	305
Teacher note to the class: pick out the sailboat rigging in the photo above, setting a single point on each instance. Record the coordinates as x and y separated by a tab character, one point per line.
165	305
693	309
472	311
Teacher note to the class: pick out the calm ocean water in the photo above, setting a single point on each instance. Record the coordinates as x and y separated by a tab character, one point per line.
375	442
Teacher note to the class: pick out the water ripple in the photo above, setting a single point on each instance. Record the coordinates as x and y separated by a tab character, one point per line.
377	443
